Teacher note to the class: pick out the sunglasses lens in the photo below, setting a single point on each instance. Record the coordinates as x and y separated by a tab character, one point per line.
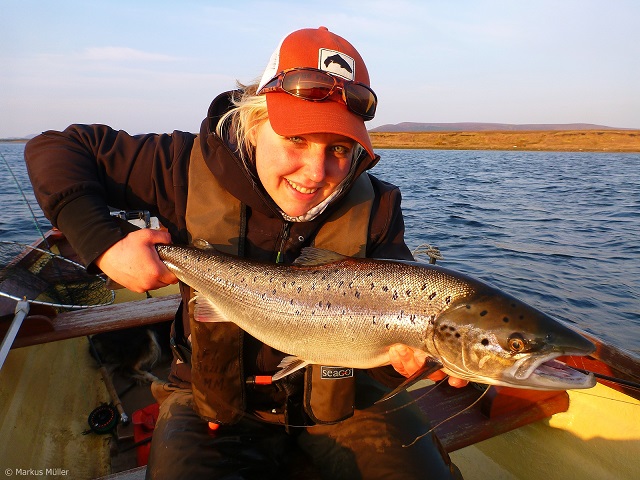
308	84
361	100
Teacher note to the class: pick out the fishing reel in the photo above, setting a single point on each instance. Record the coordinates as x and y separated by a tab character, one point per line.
103	419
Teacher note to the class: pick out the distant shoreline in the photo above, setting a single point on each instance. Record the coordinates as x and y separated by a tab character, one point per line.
551	140
542	140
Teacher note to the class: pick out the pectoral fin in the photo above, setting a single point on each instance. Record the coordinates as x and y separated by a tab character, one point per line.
429	367
206	311
288	365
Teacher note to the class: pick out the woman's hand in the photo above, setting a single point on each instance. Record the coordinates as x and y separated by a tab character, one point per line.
134	263
407	361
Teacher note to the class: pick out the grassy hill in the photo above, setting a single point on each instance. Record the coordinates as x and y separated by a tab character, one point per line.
607	140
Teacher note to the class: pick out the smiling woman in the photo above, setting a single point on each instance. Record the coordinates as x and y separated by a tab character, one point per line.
308	174
269	174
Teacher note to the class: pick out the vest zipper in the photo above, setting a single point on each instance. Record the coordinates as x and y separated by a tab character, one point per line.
284	236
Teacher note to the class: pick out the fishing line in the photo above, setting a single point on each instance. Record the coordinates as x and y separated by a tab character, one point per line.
24	197
445	420
418	398
605	398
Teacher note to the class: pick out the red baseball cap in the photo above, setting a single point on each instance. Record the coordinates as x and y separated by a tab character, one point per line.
323	50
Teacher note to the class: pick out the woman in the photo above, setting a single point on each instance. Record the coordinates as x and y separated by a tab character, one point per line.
276	167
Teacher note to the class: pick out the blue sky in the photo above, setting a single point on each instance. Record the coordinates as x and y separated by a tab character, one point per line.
154	66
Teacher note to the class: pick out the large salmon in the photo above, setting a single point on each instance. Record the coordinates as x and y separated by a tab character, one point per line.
341	311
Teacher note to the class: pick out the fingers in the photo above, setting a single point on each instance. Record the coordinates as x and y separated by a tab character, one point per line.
407	361
458	382
134	263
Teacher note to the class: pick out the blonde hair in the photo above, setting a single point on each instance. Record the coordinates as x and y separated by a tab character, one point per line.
248	112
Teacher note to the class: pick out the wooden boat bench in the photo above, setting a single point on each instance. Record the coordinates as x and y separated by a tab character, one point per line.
43	325
500	410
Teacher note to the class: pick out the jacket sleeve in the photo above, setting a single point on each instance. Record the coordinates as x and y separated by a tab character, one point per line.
78	173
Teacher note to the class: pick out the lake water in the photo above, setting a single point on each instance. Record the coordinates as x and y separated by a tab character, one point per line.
561	231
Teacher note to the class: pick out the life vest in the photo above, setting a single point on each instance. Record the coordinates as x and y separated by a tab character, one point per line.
217	376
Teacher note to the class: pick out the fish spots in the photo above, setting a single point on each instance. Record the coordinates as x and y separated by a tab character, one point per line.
449	331
485	342
385	288
395	295
483	313
505	319
357	294
447	300
408	293
432	295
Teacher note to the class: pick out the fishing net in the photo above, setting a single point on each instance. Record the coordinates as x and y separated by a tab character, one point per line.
42	277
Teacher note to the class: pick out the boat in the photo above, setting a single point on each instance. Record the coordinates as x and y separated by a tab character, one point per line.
49	385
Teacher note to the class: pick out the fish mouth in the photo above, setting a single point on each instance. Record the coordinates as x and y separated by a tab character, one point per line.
547	373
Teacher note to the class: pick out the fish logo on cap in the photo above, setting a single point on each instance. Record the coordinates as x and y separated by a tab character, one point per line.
337	63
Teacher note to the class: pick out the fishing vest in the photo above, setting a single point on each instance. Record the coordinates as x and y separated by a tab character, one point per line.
218	380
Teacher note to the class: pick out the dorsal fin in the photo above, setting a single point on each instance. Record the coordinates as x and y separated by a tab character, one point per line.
202	244
312	256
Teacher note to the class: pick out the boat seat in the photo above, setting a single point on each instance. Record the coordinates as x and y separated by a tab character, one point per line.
43	325
502	409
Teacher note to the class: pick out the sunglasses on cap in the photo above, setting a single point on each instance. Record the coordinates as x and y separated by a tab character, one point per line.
316	86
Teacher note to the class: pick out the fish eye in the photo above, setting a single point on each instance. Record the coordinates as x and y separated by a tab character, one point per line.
516	343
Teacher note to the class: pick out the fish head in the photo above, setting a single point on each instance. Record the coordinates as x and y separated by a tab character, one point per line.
491	337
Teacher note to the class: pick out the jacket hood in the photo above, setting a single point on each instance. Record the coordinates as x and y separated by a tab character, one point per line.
242	180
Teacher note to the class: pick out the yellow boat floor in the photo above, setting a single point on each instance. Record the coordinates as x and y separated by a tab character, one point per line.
598	438
46	394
